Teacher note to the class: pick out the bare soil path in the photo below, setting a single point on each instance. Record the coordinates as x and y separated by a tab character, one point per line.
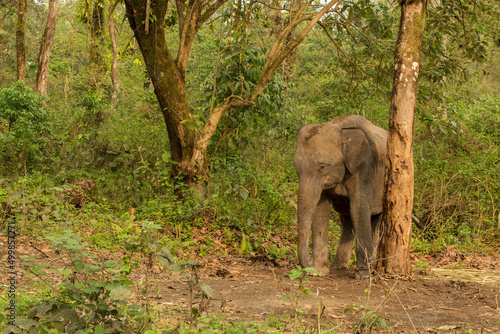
435	300
452	301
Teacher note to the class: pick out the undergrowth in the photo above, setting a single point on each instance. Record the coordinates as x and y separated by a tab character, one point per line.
246	207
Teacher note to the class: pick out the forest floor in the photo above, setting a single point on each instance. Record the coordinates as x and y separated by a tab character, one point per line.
436	299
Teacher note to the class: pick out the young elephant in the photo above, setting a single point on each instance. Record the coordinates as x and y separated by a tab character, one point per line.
341	163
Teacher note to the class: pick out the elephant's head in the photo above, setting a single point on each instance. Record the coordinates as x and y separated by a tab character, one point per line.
326	155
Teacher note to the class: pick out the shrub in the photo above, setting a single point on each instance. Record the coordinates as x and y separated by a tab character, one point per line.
24	127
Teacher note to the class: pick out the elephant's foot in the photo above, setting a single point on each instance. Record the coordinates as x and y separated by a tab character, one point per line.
336	264
334	267
322	270
362	273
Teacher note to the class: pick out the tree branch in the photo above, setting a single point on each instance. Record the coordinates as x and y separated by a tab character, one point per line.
210	11
366	37
339	48
179	4
192	22
276	56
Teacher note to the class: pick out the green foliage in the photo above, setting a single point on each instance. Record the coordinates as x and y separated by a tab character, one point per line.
98	288
138	236
457	188
247	205
300	274
48	317
368	320
356	67
218	324
24	127
93	104
200	293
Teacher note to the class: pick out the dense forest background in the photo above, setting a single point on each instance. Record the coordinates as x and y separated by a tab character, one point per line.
115	138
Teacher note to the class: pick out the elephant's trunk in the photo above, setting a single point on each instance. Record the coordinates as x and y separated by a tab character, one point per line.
307	200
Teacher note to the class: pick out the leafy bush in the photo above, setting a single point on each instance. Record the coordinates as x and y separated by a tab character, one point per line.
25	127
91	293
456	172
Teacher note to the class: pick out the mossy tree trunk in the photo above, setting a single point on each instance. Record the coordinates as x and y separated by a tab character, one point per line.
46	48
396	236
96	52
188	144
113	72
21	39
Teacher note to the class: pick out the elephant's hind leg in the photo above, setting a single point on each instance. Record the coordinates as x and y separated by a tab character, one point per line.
344	250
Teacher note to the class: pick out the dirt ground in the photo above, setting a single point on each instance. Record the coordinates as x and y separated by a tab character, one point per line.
435	300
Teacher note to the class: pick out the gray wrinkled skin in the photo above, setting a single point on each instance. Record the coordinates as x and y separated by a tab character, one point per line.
340	164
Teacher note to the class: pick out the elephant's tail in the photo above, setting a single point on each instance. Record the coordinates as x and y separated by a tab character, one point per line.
418	222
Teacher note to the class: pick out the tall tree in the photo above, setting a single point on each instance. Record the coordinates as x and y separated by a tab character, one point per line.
113	73
395	244
46	48
97	25
146	18
21	39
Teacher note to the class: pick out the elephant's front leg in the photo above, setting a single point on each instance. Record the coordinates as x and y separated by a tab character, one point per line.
320	236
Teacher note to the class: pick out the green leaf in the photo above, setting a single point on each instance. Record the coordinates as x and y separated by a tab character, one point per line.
120	293
26	323
98	329
295	273
78	265
207	289
66	272
167	259
166	157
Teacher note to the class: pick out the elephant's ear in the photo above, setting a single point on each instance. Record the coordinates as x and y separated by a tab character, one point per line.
356	149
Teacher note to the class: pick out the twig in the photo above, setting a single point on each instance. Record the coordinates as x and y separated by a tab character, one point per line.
404	308
31	244
320	312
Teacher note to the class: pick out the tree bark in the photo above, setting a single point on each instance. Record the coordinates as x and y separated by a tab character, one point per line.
45	49
21	39
168	79
113	73
396	236
96	33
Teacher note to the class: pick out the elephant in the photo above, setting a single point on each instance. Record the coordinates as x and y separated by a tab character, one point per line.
340	164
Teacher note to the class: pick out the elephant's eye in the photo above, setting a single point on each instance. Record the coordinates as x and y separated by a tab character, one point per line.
322	167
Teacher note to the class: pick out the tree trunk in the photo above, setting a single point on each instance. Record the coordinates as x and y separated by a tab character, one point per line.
113	73
96	33
289	62
168	79
20	39
395	244
45	48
